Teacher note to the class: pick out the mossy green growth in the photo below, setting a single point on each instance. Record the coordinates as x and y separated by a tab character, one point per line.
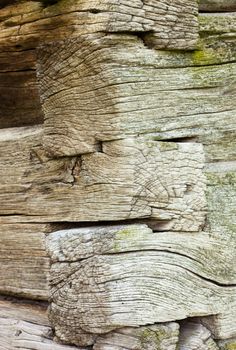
167	146
203	57
228	178
152	337
229	346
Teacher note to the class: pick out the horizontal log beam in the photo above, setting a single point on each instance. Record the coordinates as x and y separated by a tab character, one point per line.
131	90
24	264
26	326
124	180
174	27
112	274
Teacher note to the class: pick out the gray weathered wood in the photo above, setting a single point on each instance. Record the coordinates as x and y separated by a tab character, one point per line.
25	327
130	95
194	336
229	344
111	275
161	337
131	178
217	5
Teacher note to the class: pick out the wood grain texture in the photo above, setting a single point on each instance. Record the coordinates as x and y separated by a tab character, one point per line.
27	23
217	5
19	99
17	83
132	178
194	336
227	344
26	327
24	264
134	90
161	337
112	274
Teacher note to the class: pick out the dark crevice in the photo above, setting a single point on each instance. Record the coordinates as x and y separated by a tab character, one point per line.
184	139
22	300
94	11
155	225
99	147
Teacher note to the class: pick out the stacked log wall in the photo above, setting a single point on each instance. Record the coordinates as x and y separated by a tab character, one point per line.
117	164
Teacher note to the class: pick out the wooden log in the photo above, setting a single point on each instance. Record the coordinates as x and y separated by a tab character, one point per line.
111	275
18	83
17	109
194	335
134	90
131	178
174	27
25	326
161	337
217	5
24	264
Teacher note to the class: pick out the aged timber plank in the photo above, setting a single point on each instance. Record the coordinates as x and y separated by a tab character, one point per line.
25	326
17	83
221	198
217	5
130	95
161	337
17	109
24	264
174	26
110	275
127	179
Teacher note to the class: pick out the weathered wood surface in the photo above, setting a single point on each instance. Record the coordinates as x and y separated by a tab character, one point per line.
24	264
111	275
217	5
131	178
134	91
25	327
19	98
194	336
229	344
173	26
154	337
19	95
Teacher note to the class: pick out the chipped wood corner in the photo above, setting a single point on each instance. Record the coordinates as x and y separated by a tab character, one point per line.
117	175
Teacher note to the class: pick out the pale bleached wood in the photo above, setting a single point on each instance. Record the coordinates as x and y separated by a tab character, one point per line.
217	5
130	95
111	275
25	326
161	337
131	178
27	23
194	336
